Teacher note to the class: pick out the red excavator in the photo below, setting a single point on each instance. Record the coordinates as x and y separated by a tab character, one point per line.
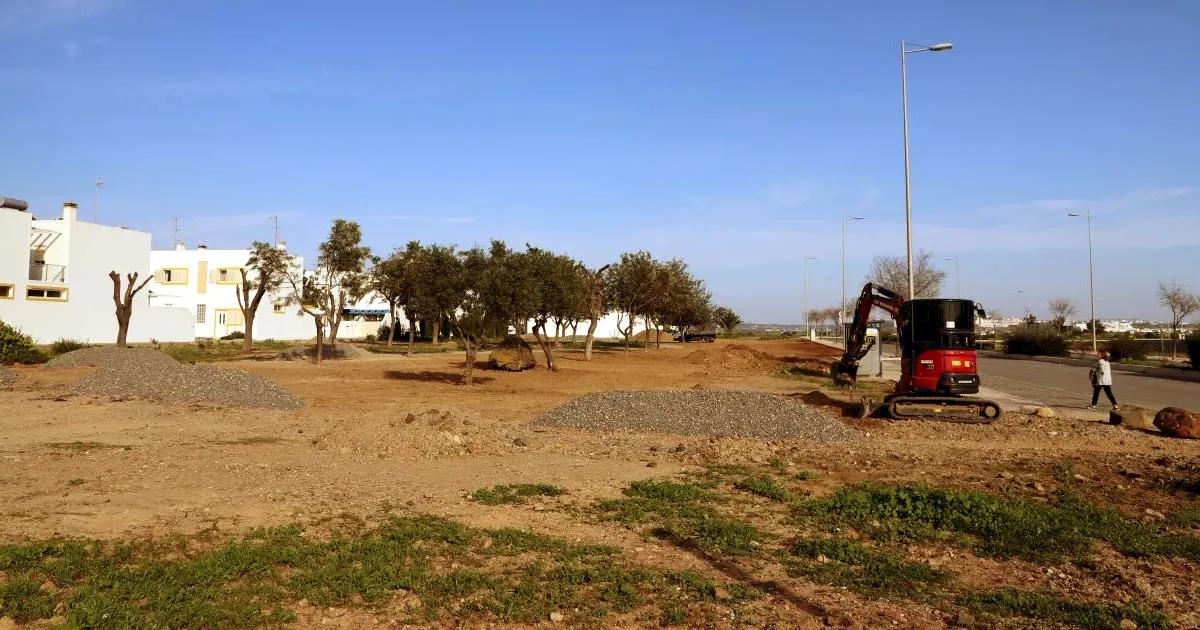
938	364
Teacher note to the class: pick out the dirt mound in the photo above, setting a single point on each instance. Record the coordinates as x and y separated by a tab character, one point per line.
662	336
332	353
150	374
732	358
700	412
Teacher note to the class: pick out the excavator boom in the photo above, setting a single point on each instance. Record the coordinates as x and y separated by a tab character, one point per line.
845	370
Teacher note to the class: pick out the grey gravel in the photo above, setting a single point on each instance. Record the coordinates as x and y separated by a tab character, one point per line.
732	413
151	374
7	378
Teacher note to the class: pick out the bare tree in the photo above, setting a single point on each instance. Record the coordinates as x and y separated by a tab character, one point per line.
892	272
124	303
270	266
1062	309
1181	303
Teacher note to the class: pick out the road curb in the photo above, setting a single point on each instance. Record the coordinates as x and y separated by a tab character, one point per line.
1191	376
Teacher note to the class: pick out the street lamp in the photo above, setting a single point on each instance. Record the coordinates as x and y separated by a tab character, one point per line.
1091	274
807	323
905	51
1024	302
842	306
957	277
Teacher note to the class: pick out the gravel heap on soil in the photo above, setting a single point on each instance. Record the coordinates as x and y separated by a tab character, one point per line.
144	373
7	378
705	412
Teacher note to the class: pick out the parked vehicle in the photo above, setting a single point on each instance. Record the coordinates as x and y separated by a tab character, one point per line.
704	333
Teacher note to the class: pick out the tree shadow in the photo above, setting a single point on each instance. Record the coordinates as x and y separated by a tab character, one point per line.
429	376
821	399
735	571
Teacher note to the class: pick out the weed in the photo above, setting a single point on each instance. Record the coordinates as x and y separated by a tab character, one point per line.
1045	606
678	513
519	493
869	572
999	527
807	475
779	465
77	481
1187	518
764	486
63	346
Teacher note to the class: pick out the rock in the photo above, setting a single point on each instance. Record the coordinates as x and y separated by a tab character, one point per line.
1006	475
1044	412
964	620
722	594
345	450
1127	625
1156	514
513	354
1178	422
557	617
410	418
1131	418
523	441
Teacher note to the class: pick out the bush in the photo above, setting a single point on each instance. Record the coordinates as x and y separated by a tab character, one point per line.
63	346
1123	348
237	334
17	347
1193	348
1036	343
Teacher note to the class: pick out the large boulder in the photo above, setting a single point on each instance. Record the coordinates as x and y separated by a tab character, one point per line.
1178	422
1132	418
513	354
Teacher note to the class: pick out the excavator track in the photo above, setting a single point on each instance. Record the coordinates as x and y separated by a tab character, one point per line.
942	409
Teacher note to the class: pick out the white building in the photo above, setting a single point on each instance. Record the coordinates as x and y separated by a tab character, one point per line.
54	280
206	283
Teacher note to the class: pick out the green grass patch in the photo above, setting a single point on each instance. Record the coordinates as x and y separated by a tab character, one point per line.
1048	607
682	513
996	527
807	475
512	494
866	571
764	486
401	347
457	572
1187	518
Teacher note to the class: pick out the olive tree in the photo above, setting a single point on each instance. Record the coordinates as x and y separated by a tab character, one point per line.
265	272
342	262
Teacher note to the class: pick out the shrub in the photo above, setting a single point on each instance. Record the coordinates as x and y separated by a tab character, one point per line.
1123	348
63	346
1193	348
1036	343
237	334
17	347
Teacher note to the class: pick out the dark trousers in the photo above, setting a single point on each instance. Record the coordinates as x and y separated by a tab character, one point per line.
1107	390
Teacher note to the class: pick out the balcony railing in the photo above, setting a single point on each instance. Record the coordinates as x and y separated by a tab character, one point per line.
41	272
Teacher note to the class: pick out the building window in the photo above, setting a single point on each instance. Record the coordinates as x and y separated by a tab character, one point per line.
172	276
201	313
7	291
48	294
279	308
222	275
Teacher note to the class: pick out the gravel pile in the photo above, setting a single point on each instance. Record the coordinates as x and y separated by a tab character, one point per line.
705	412
7	378
151	374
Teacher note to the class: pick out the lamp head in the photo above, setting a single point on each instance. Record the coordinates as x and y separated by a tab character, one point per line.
942	46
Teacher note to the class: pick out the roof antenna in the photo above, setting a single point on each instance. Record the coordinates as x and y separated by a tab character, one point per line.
96	210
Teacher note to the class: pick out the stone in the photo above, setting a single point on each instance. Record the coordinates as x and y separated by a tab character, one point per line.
1131	418
513	355
523	441
1178	422
964	620
1127	625
1044	412
722	594
557	617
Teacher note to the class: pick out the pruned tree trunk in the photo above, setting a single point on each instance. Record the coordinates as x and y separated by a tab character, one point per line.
435	327
539	332
412	325
472	352
391	321
591	338
124	303
320	338
646	337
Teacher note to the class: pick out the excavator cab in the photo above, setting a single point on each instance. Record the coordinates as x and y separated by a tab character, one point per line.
937	347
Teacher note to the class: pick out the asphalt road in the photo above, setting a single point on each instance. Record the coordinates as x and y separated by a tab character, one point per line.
1068	386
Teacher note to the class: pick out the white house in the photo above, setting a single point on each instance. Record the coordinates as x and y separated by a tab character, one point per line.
205	282
54	280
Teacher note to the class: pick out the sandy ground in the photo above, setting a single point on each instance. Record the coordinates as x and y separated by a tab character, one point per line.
392	435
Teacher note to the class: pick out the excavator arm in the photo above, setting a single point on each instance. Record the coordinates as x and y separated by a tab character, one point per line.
845	370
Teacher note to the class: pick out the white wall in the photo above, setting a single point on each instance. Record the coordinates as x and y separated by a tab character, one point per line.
89	252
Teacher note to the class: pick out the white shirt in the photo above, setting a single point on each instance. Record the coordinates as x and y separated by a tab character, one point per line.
1103	372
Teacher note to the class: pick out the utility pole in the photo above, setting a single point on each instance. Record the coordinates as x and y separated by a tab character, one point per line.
96	209
807	323
275	218
175	232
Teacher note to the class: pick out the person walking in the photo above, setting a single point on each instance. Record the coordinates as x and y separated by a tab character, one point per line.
1102	379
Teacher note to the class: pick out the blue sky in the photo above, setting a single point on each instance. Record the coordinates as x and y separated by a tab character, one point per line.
731	134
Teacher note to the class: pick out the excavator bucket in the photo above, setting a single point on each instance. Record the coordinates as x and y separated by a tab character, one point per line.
845	374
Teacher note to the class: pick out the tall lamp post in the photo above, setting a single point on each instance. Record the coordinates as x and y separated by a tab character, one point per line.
842	306
957	277
907	49
807	323
1091	274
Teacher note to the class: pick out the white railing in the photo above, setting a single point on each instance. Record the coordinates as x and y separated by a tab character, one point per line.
41	272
